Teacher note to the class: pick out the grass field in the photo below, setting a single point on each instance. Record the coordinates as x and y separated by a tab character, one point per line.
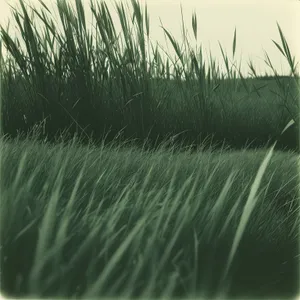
98	215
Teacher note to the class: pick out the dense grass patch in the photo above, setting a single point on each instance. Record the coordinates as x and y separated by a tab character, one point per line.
100	83
211	211
116	221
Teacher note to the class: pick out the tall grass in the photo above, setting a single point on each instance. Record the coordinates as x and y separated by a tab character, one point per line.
90	222
114	221
99	81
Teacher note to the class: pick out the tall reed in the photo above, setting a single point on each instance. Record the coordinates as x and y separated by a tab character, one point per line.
97	80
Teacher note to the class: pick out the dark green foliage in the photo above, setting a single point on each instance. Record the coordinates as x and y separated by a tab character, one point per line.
178	195
115	220
65	81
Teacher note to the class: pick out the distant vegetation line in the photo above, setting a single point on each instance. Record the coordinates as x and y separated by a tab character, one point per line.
107	85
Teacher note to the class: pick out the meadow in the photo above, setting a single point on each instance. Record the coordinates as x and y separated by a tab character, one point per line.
124	174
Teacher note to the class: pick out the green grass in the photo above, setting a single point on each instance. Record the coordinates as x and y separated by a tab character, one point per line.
77	218
101	215
98	82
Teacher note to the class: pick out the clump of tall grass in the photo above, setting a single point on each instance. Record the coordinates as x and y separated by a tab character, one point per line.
82	222
94	81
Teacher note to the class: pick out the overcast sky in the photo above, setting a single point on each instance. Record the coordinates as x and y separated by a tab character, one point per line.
255	22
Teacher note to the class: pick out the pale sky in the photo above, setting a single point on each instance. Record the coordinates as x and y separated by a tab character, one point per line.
255	22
